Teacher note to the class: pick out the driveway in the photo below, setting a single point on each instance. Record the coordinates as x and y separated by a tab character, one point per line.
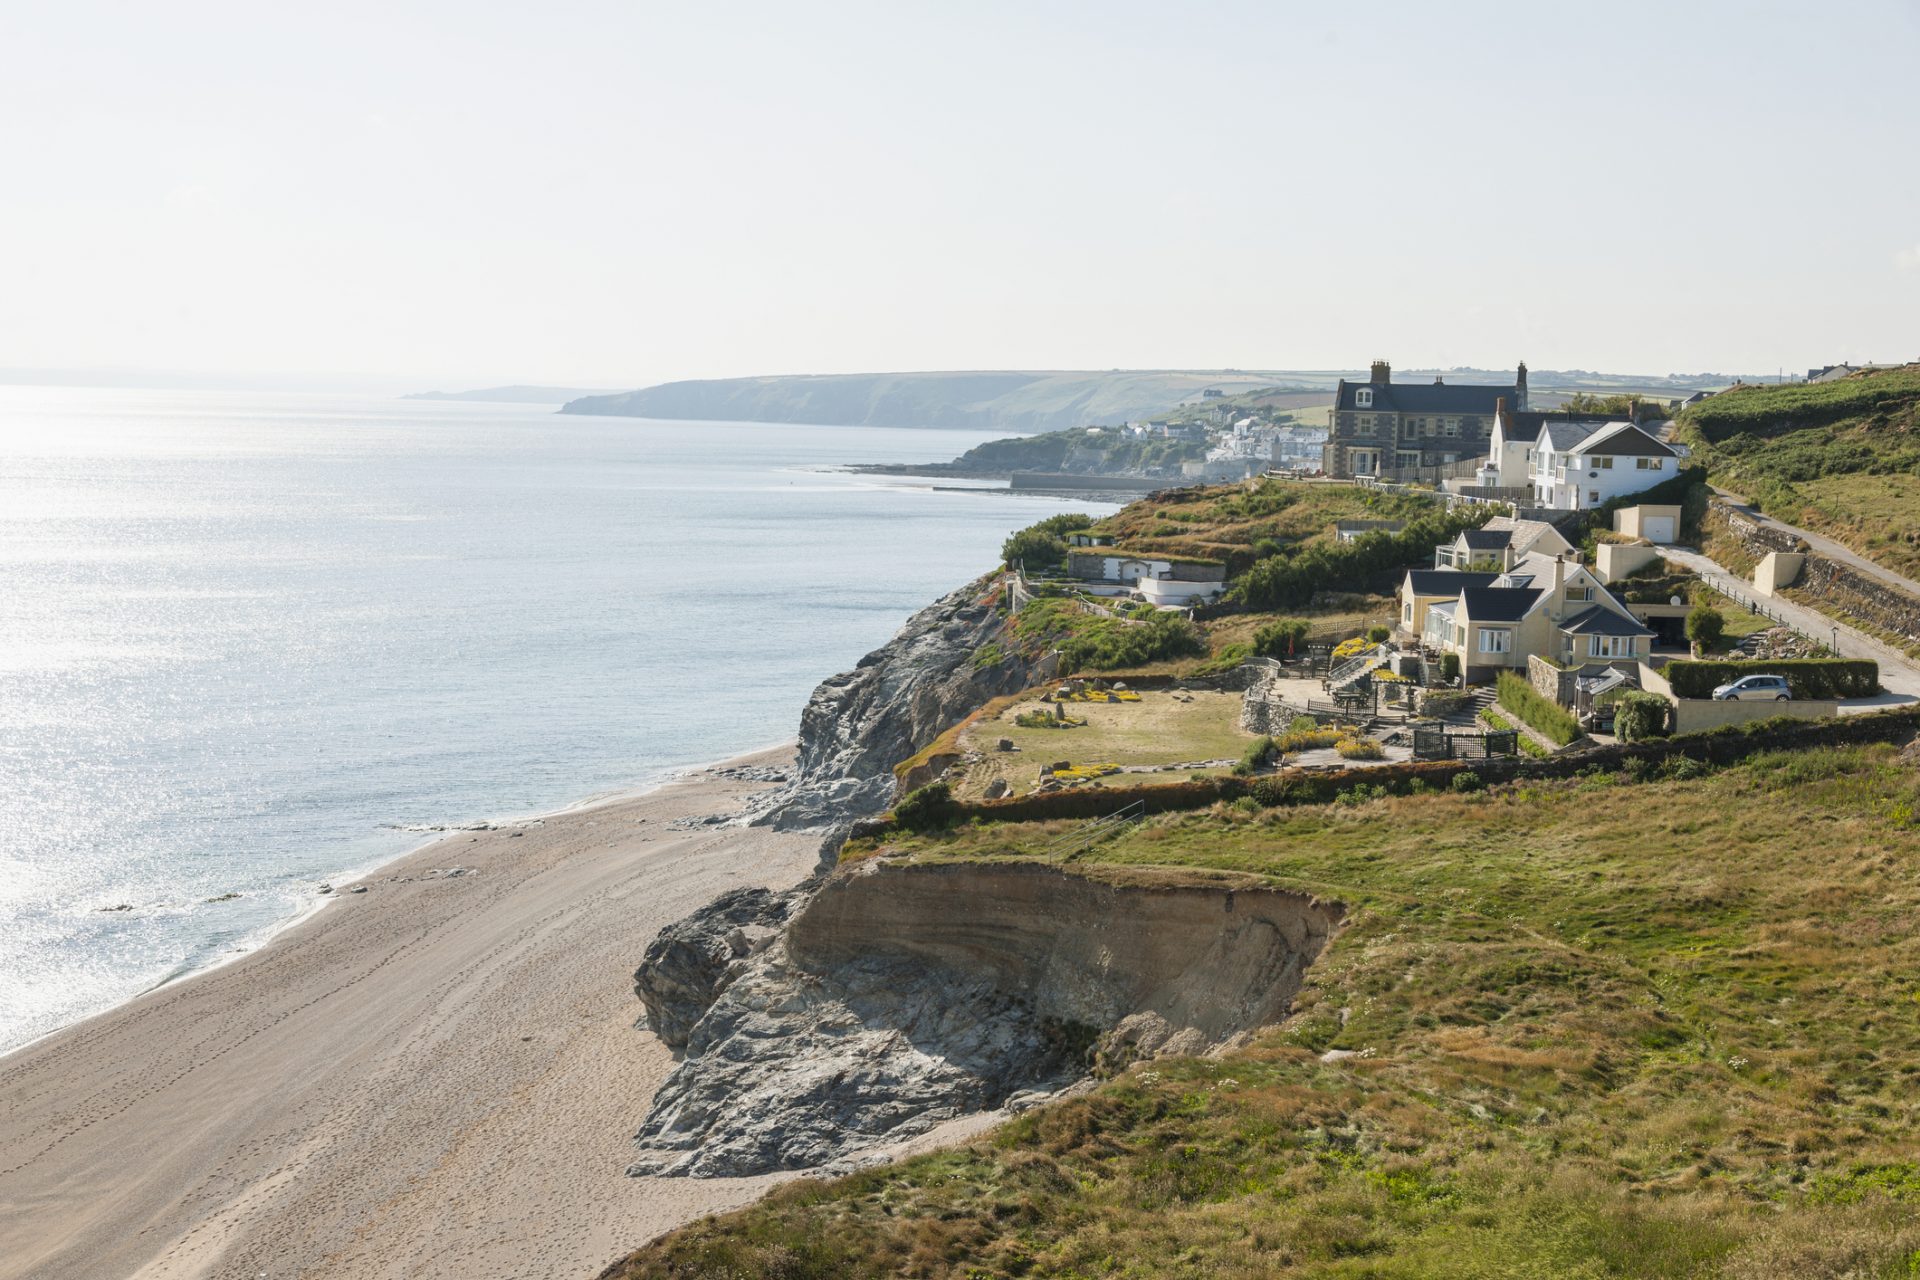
1899	674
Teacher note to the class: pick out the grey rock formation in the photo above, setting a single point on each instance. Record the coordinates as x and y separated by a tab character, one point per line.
859	724
693	960
901	996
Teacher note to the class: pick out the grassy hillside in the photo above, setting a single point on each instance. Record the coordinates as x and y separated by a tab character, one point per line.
1104	452
1013	401
1611	1027
1839	457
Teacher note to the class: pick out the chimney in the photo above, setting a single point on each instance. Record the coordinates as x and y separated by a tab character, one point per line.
1382	373
1556	606
1438	380
1520	388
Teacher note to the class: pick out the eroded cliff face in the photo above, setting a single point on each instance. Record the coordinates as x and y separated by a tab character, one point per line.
900	996
861	723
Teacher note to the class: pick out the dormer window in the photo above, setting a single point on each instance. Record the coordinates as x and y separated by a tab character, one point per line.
1363	398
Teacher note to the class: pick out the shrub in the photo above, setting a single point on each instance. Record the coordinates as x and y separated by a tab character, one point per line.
1290	579
1705	626
1806	677
1467	780
1360	749
1255	757
1089	640
1535	711
1305	735
1638	716
1042	547
1449	666
929	808
1378	635
1282	638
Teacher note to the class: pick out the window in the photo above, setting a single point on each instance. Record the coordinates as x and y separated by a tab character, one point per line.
1452	426
1603	463
1582	595
1650	464
1593	495
1496	640
1363	398
1610	646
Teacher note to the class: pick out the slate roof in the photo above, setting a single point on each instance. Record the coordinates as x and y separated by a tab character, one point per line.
1425	397
1445	582
1599	621
1625	440
1498	604
1564	434
1525	424
1486	539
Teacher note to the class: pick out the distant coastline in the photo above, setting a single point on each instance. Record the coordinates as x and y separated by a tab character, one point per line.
518	394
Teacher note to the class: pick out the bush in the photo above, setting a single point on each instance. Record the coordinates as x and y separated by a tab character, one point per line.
1638	716
1042	547
1282	638
1305	734
929	808
1535	711
1378	635
1289	580
1467	781
1449	666
1255	757
1090	640
1360	749
1806	677
1705	626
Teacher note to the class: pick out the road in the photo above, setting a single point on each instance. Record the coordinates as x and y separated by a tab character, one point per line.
1899	674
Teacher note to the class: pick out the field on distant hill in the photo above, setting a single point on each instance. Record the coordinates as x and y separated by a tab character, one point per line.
1013	401
1839	457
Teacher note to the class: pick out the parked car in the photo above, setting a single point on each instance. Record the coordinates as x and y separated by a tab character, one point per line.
1754	689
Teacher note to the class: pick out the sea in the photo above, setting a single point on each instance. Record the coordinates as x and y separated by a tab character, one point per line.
251	643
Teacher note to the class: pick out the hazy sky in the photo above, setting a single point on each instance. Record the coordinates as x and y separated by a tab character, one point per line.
612	194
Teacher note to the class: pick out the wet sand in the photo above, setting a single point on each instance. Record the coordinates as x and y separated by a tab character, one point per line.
438	1077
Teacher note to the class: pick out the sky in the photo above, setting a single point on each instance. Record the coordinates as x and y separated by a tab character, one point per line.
614	194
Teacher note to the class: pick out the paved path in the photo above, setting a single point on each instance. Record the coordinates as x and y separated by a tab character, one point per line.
1899	674
1824	545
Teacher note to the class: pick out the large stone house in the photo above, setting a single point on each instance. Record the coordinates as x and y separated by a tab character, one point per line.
1382	426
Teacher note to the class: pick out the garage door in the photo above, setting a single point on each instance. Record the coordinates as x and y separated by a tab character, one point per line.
1657	528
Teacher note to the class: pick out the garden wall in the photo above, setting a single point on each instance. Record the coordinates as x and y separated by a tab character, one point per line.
1828	583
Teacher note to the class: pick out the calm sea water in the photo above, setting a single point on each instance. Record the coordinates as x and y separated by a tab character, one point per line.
247	640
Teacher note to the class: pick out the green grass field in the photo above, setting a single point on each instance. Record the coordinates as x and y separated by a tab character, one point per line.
1610	1027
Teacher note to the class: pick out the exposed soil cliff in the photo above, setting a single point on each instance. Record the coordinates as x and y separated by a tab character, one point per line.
900	996
859	724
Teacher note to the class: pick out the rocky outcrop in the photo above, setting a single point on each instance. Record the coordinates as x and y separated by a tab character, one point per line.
901	996
693	960
861	723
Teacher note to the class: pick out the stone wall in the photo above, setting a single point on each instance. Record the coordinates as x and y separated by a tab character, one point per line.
1825	584
1261	711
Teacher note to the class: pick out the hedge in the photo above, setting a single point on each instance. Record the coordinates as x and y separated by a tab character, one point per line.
1806	677
1536	710
1726	745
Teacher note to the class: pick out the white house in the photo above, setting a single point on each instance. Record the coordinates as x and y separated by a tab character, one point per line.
1158	577
1499	544
1515	433
1577	466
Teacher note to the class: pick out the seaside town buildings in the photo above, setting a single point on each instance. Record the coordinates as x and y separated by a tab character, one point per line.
1379	427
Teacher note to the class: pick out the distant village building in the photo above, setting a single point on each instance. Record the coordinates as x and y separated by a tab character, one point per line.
1212	393
1381	426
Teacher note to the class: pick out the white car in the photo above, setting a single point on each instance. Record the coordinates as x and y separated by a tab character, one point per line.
1754	689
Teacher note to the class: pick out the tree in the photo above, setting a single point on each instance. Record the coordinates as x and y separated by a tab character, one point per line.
1640	715
1042	547
1282	638
1705	626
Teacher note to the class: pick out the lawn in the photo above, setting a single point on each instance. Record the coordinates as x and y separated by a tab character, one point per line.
1619	1026
1160	729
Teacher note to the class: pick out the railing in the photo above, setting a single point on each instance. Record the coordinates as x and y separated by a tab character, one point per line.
1081	839
1355	666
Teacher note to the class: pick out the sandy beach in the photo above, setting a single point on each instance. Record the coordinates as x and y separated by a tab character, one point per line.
437	1077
